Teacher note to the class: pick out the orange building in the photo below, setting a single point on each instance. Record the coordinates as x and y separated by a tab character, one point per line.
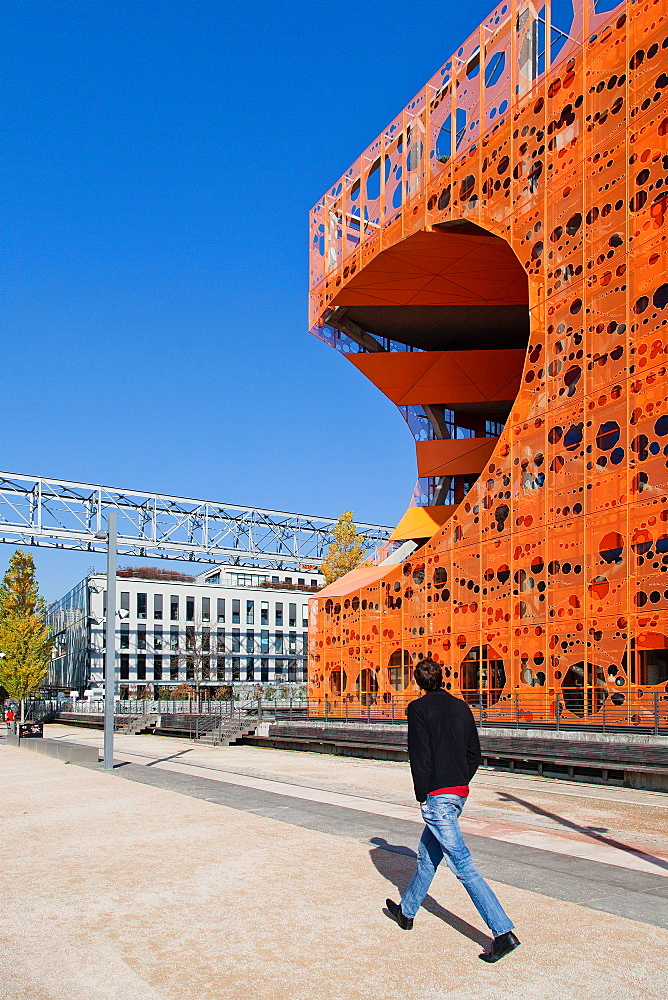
496	264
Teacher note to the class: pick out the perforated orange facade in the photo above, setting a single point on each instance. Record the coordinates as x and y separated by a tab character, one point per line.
496	264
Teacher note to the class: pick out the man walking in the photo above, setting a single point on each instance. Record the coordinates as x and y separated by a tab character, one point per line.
444	753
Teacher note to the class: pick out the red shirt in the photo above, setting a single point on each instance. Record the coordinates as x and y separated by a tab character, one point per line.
462	790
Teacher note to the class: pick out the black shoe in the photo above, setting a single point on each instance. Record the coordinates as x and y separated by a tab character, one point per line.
406	923
502	945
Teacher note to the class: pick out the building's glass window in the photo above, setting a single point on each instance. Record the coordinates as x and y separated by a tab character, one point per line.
314	583
157	637
214	578
141	666
292	642
206	668
125	601
264	640
279	613
141	606
236	640
304	615
173	638
190	609
250	641
288	579
250	670
125	667
274	579
278	669
141	637
264	613
206	640
190	638
292	670
304	642
220	640
278	642
293	616
190	669
125	636
236	612
301	582
157	668
236	668
174	608
206	609
157	607
220	609
173	668
220	669
250	612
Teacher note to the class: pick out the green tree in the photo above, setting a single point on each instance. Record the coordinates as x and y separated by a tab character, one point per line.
346	551
25	638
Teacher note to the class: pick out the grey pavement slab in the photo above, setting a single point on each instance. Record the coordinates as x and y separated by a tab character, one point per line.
637	895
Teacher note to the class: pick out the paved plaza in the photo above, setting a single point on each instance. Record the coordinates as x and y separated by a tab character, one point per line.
243	873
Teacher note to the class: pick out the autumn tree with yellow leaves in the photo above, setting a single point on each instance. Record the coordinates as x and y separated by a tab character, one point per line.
346	551
25	638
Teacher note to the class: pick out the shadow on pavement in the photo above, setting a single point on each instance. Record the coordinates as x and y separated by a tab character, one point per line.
389	860
588	831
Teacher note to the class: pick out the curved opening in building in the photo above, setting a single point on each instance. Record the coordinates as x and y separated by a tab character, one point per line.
440	323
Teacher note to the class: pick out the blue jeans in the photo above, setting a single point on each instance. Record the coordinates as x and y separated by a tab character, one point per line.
442	838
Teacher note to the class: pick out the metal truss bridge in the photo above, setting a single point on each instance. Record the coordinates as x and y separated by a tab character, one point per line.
55	514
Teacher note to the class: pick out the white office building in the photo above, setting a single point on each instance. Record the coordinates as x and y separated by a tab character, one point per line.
231	625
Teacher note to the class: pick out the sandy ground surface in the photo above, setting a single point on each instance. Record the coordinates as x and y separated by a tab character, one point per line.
120	891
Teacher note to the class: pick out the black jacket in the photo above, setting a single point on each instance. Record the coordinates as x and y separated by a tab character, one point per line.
443	743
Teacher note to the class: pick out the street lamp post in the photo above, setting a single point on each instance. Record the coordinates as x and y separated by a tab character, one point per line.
110	640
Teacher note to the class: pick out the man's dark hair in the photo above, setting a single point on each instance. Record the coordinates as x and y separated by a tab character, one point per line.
428	675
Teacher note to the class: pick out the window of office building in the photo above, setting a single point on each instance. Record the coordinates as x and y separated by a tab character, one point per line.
173	668
142	601
301	582
173	638
264	640
292	642
214	578
264	671
220	669
236	640
274	579
190	609
288	579
293	616
220	640
157	668
314	583
206	609
206	640
125	667
250	641
292	670
141	637
236	612
304	615
141	666
264	613
190	669
190	638
304	642
157	637
279	613
220	609
125	601
250	669
125	636
157	607
236	668
278	669
250	612
278	642
174	608
206	668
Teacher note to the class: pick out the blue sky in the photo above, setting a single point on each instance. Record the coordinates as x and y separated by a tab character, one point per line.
159	162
